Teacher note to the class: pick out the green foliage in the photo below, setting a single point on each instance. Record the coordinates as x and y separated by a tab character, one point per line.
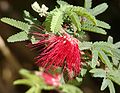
56	21
111	86
107	53
83	12
21	36
103	24
105	59
88	4
30	19
92	28
114	76
101	59
94	58
99	9
47	22
35	83
66	88
104	84
85	45
62	3
74	18
18	24
97	72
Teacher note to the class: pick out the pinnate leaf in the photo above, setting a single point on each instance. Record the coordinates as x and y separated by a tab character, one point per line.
56	22
83	12
18	24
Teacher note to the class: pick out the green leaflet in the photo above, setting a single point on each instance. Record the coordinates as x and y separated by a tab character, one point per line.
116	53
21	36
83	12
83	72
99	9
57	21
103	24
85	45
91	28
117	45
98	72
88	4
75	20
23	81
47	22
31	90
105	59
110	39
114	75
67	88
111	87
30	19
115	61
62	3
104	84
94	58
18	24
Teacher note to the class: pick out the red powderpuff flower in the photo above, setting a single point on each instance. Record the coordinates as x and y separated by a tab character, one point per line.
59	51
50	79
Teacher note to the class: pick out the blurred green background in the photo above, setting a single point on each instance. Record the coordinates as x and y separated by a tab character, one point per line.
14	56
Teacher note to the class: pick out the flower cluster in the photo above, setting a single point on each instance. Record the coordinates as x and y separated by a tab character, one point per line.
59	51
50	79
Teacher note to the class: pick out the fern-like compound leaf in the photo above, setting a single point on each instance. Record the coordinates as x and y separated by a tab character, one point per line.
75	20
99	9
91	28
83	12
88	4
57	21
21	36
18	24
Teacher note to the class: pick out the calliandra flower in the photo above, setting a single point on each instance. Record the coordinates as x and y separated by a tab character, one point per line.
59	51
52	80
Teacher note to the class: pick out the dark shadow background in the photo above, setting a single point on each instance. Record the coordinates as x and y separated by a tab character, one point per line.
20	56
